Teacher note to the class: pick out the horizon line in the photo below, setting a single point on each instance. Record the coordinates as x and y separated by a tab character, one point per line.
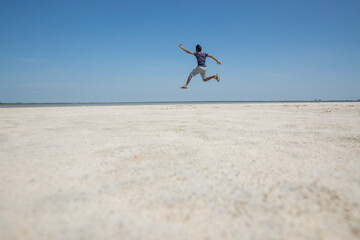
2	104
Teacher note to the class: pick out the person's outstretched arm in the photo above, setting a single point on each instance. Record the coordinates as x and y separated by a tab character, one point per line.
189	52
217	61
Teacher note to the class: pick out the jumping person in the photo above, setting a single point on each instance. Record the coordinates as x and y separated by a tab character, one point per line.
201	68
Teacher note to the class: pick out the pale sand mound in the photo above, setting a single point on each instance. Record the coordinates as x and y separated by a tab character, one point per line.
217	171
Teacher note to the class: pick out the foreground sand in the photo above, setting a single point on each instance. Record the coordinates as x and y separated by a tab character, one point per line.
214	171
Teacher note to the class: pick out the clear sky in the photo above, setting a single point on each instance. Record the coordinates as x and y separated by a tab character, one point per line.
111	51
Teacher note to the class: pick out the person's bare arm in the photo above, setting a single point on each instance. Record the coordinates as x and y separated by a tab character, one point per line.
189	52
217	61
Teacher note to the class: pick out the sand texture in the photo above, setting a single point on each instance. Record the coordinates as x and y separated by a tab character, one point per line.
187	171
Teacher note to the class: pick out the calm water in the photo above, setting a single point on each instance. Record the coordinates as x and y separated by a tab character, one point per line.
15	105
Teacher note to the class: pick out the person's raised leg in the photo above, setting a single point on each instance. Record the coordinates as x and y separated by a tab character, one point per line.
208	78
187	83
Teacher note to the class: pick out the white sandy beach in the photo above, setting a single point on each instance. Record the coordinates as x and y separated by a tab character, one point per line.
188	171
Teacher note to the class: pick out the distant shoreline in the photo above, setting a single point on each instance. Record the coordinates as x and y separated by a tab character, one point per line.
82	104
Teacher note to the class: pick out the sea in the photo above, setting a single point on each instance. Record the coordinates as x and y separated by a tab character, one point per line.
82	104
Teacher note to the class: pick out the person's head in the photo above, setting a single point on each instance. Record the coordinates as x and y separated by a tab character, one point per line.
198	48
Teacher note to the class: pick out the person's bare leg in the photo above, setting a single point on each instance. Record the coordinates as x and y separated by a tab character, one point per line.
208	78
187	83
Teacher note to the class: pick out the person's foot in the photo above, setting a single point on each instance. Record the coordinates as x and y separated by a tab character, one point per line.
217	77
184	87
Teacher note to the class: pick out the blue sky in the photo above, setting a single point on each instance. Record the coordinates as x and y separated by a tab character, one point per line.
111	51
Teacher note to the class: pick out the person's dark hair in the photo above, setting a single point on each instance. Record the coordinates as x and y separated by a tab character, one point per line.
198	48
